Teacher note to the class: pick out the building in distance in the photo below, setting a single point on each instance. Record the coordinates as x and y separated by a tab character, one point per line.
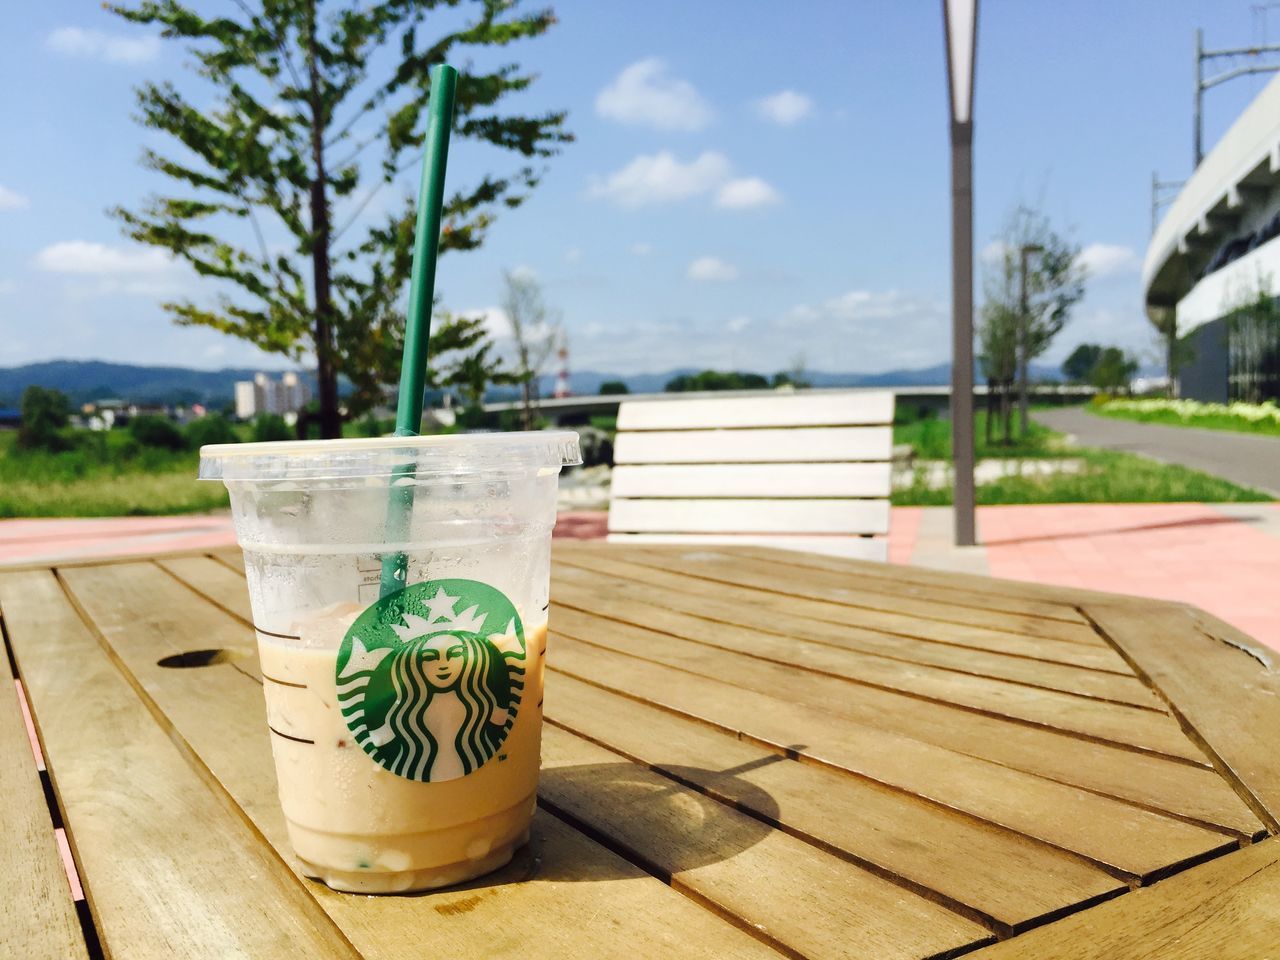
283	397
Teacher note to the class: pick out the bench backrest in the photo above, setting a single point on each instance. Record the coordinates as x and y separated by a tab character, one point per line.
804	471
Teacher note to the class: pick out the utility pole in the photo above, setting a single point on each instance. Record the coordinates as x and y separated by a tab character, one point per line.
1204	83
1161	197
1024	338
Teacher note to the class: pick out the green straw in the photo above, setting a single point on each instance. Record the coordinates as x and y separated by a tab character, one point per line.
417	331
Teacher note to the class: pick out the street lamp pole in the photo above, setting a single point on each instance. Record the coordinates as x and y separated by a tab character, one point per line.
1024	338
960	18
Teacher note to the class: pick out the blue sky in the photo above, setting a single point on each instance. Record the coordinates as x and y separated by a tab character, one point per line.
751	181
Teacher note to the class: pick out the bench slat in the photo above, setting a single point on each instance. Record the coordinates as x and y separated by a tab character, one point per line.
749	516
753	480
852	548
798	445
808	410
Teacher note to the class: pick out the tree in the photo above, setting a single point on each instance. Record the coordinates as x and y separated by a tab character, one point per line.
534	334
715	380
268	427
1113	371
1253	344
277	146
797	375
1054	284
1080	364
998	354
613	388
211	428
155	431
45	413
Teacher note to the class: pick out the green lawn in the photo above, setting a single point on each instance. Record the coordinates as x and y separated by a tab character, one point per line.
1238	417
931	440
107	476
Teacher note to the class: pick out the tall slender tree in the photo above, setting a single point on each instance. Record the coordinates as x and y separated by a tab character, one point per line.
270	185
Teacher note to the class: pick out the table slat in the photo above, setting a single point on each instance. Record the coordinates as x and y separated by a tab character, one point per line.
37	915
839	589
769	879
882	579
769	665
1225	910
889	621
1126	838
568	896
168	870
1002	875
1225	685
893	661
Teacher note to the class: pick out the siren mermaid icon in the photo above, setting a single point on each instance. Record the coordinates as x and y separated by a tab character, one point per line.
427	691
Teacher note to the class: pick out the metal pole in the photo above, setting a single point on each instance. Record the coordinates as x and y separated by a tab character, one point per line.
962	330
1024	318
1199	121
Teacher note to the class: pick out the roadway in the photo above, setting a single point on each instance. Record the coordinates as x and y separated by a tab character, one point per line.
1246	459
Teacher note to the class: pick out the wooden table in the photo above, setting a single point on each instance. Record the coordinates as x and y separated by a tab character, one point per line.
747	754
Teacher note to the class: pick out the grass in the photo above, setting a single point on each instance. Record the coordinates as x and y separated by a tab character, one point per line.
1107	477
104	477
1261	419
930	437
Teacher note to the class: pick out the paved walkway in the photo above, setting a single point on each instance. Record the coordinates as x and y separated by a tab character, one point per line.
1222	557
1243	458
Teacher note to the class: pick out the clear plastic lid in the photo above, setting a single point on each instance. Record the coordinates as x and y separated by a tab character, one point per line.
453	455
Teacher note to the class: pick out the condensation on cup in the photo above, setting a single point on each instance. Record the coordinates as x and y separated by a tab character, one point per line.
406	728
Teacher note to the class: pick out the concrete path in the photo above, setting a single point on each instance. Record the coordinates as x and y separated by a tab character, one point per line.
1246	459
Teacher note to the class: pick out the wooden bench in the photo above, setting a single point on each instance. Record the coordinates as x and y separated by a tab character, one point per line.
801	471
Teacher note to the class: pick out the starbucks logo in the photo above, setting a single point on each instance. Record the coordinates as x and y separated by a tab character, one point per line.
430	678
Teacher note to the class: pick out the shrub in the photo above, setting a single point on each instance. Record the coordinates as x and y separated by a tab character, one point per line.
159	432
270	426
214	428
44	415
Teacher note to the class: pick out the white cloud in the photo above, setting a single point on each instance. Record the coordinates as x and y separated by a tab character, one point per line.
745	193
81	256
11	200
523	271
661	178
642	249
1105	259
572	255
645	93
993	252
890	328
712	269
738	324
111	47
785	107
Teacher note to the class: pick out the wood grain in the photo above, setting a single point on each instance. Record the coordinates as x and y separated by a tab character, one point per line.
168	870
1111	833
37	916
1221	683
609	559
835	590
771	665
1228	909
1001	875
565	893
741	866
824	644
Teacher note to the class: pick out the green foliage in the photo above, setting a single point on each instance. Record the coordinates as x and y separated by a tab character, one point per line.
1107	477
213	428
44	415
268	427
715	380
535	332
1077	367
1113	370
1253	346
612	388
930	438
1263	418
271	145
371	426
160	432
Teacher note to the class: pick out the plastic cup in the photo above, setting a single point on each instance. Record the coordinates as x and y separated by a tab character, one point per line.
406	728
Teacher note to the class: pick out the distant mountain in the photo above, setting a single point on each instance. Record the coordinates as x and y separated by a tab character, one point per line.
84	380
